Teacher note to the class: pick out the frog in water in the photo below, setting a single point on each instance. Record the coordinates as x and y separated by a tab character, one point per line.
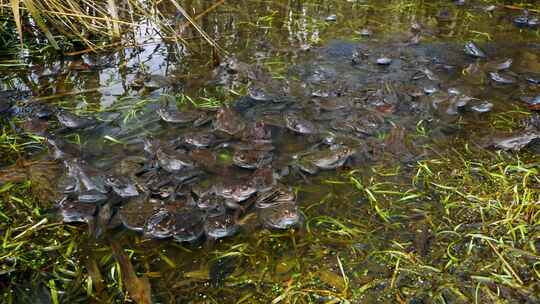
252	158
277	208
236	192
298	124
228	121
326	159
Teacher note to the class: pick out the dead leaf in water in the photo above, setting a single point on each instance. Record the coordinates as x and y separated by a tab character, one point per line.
138	288
95	275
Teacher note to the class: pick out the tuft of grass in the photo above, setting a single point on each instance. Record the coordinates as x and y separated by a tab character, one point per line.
14	144
94	21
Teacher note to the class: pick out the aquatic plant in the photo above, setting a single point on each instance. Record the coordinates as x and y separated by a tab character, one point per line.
99	24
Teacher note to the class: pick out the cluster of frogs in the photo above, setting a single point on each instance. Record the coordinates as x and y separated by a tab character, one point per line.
178	188
211	170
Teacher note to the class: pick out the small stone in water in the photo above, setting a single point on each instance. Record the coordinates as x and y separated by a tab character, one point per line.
384	61
366	32
483	107
331	18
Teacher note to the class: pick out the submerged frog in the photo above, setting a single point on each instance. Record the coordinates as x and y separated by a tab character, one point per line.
71	121
395	141
236	192
179	117
60	149
258	133
217	226
517	140
264	179
202	139
501	78
160	224
327	159
204	158
121	186
277	208
189	225
76	212
137	210
252	158
533	103
92	197
258	93
298	124
221	214
173	161
397	145
333	104
367	124
210	202
169	113
178	219
473	50
83	178
228	121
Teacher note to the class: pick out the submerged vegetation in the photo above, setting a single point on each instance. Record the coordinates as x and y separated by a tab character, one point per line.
429	219
460	228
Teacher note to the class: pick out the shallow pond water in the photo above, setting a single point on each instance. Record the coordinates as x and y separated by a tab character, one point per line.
338	152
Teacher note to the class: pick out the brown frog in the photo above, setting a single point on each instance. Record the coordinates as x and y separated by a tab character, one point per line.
326	159
298	124
228	121
277	208
252	158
